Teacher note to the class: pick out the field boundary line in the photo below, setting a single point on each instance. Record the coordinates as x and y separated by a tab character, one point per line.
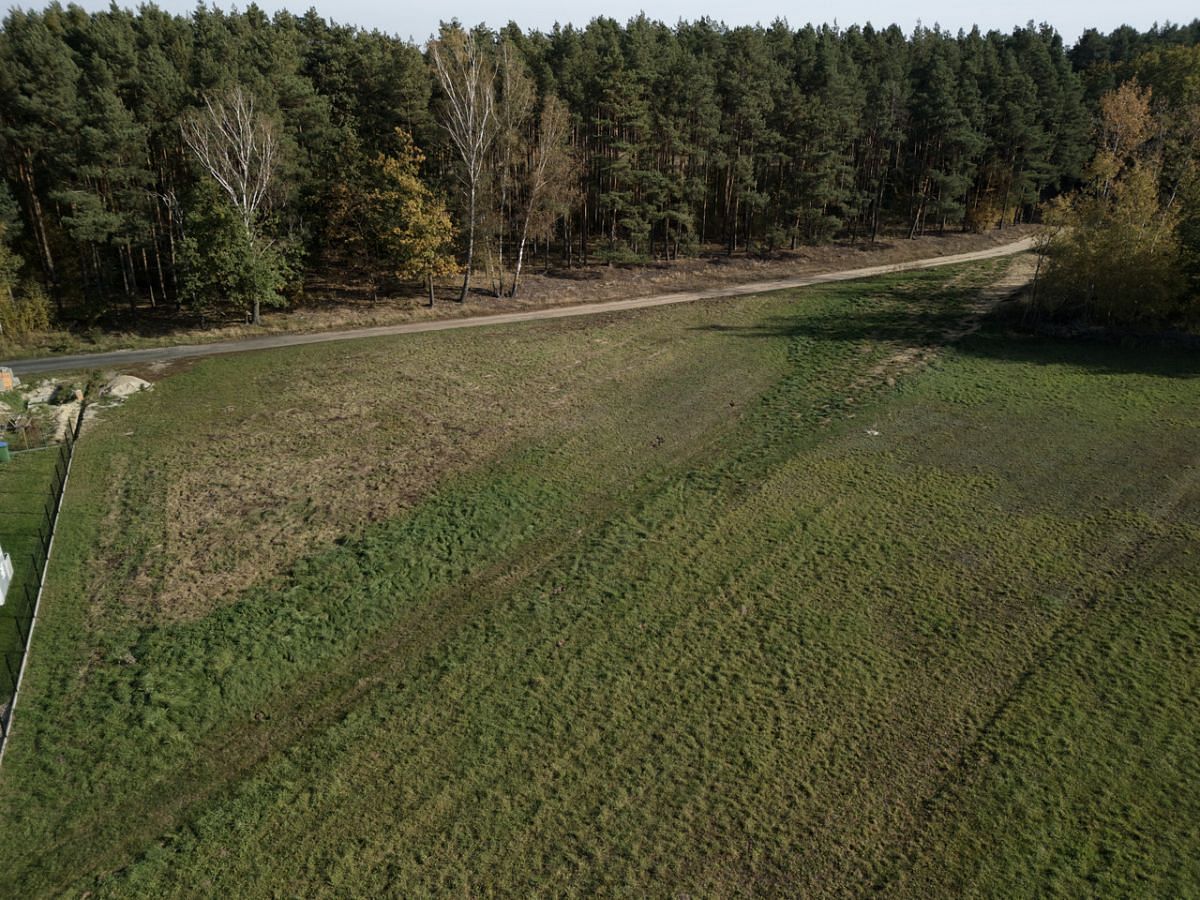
270	342
6	731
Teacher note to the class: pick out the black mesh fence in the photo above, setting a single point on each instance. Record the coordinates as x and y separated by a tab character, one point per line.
31	490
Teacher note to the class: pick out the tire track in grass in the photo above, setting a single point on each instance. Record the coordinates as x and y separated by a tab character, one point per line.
664	635
237	751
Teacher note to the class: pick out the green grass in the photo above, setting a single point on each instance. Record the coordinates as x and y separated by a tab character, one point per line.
25	484
665	618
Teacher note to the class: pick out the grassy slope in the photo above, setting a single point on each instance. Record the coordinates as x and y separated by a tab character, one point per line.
693	629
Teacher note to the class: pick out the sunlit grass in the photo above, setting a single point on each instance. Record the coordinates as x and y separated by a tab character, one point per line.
739	600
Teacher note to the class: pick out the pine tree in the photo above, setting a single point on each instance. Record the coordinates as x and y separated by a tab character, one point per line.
38	78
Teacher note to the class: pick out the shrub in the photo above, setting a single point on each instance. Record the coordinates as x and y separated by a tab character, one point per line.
23	313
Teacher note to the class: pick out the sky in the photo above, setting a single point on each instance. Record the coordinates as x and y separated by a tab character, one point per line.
419	20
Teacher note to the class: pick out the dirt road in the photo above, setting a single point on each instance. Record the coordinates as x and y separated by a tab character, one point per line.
119	358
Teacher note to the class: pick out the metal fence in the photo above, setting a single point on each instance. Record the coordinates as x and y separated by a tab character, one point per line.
18	615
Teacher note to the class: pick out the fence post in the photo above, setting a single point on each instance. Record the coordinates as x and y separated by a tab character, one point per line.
20	633
33	588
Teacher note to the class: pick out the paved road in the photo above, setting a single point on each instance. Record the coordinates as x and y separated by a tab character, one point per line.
120	358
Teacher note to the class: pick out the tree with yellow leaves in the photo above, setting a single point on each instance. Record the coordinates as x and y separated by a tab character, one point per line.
391	223
1113	254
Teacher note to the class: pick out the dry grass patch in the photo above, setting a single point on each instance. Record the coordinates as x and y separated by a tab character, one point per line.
272	460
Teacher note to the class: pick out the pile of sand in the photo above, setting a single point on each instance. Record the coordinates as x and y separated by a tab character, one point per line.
123	386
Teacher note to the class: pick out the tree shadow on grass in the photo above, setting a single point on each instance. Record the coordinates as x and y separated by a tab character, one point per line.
1128	356
995	339
899	326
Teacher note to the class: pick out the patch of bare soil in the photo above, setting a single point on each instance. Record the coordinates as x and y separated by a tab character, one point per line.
355	442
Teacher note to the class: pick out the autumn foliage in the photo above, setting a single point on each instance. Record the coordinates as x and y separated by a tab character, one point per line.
1115	253
390	224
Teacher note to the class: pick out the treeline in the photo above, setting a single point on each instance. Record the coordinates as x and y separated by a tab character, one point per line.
608	142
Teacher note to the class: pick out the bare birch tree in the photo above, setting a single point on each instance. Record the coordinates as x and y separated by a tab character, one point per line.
550	180
467	76
238	146
515	102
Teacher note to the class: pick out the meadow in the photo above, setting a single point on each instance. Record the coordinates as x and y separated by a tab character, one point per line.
25	484
810	593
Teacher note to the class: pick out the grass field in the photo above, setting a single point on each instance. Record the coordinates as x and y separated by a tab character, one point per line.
25	484
788	595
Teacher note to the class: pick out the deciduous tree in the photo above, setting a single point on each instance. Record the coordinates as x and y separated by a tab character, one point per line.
238	146
548	180
1115	256
467	76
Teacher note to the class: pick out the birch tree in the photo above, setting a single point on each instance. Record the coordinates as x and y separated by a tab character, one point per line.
550	180
238	146
515	102
467	76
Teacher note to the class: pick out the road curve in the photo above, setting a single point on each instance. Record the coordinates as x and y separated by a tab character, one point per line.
119	358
